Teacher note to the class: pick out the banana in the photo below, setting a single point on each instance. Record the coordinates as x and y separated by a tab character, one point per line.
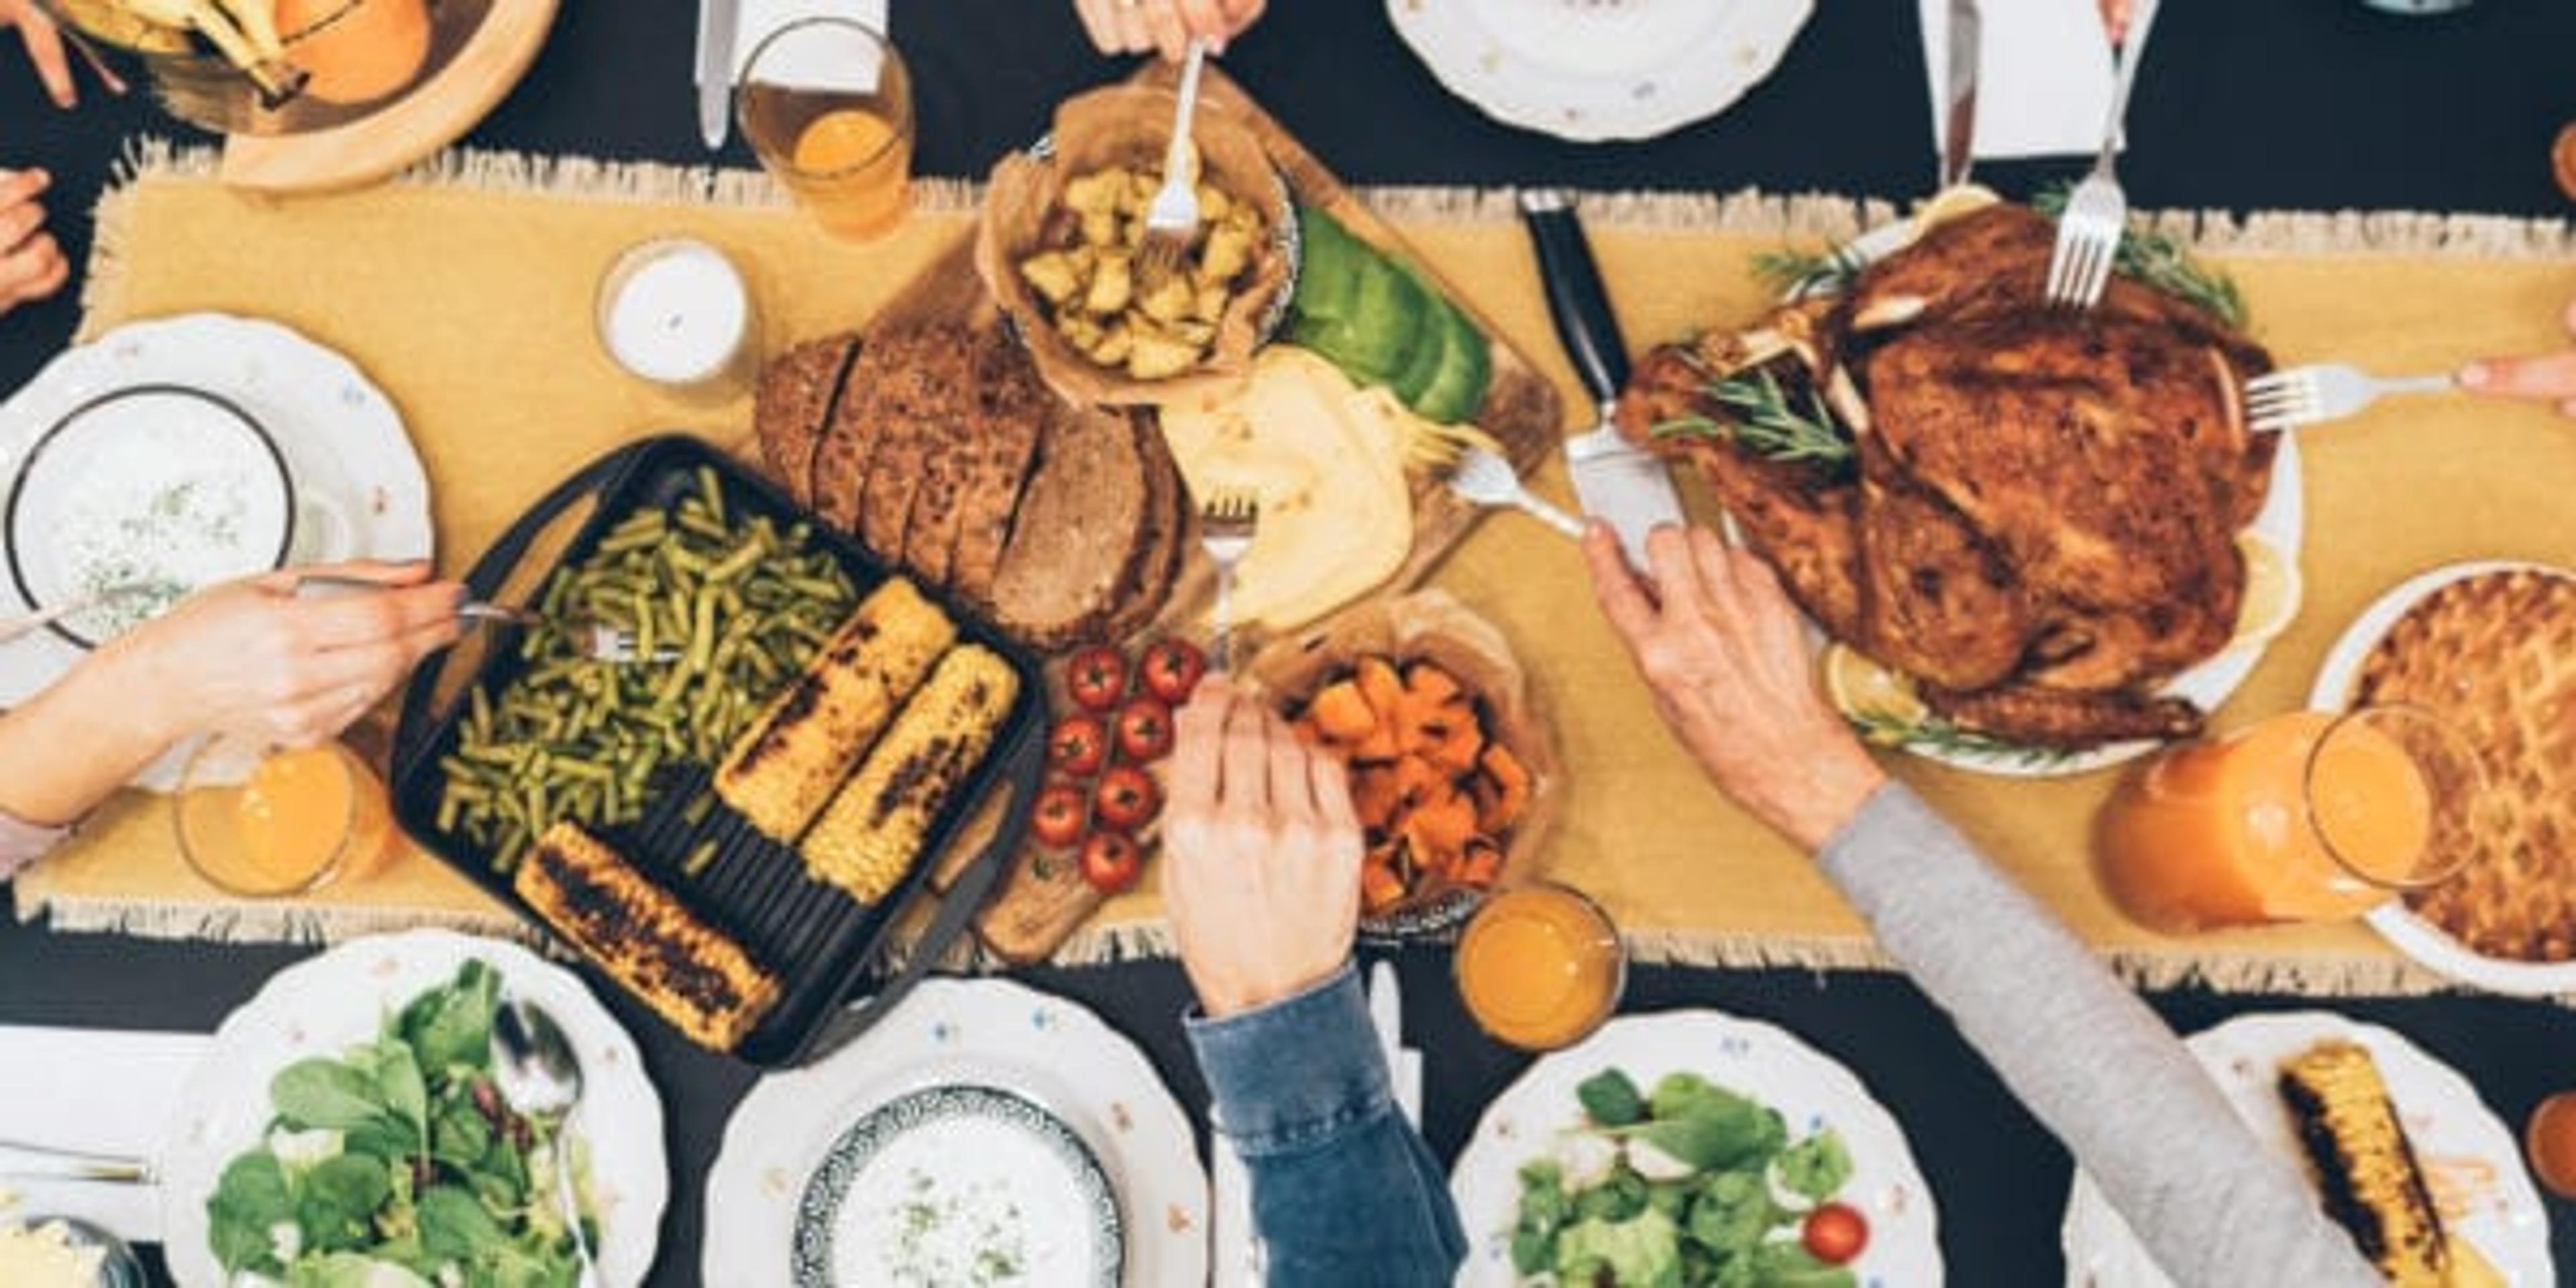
277	79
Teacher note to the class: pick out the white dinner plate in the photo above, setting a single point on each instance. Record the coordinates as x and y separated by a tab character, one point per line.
360	488
2429	945
984	1033
1810	1089
324	1005
1592	70
2282	524
2464	1149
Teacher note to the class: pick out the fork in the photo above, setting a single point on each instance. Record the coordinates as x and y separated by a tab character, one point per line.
1485	478
1172	221
594	641
1226	524
2097	212
2326	391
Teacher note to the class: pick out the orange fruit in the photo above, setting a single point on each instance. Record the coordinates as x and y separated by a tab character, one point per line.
844	139
2565	155
2550	1139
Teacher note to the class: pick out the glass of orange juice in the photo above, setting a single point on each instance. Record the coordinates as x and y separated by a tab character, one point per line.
1540	966
2307	816
356	51
264	821
827	104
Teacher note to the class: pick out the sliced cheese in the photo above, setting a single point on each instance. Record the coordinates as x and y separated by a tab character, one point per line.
1326	458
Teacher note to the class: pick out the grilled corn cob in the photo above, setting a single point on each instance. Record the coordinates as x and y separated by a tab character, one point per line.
2365	1167
783	769
872	833
701	981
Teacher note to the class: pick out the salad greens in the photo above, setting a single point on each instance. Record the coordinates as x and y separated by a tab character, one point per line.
398	1165
1689	1184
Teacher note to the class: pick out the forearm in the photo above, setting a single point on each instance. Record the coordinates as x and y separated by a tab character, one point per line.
1344	1191
66	749
2085	1056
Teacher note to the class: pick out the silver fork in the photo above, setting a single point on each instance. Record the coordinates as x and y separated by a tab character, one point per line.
1172	221
596	641
1487	479
1227	522
2326	391
2097	212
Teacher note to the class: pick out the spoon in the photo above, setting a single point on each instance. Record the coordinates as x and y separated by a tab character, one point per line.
29	623
537	1072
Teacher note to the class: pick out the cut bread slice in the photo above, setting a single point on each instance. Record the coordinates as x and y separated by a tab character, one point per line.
1015	404
1162	545
1081	533
794	407
926	373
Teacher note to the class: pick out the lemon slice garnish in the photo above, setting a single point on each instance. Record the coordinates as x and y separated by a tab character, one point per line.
1950	203
1861	688
2272	590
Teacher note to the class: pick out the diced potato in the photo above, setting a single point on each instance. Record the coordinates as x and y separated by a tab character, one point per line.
1211	302
1112	287
1213	203
1169	300
1100	228
1094	193
1052	275
1199	334
1158	357
1227	254
1140	190
1082	332
1114	346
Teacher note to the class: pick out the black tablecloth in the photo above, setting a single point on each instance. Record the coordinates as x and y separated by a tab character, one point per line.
2286	104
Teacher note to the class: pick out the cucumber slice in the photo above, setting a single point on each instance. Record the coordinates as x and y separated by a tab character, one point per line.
1466	370
1329	263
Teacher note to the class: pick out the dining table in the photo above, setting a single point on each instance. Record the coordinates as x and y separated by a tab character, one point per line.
2292	105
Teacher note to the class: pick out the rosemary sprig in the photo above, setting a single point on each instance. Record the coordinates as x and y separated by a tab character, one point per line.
2159	259
1794	272
1767	421
1941	736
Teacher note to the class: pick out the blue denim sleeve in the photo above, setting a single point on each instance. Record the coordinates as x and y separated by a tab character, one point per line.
1344	1191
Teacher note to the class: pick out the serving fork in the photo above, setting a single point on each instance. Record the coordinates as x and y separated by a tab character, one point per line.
1486	478
1227	522
594	641
2326	391
2097	212
1172	221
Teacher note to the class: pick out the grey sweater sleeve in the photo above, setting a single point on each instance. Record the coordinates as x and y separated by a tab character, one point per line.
2087	1058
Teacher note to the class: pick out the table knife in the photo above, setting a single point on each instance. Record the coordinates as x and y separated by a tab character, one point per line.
1959	125
1618	482
718	24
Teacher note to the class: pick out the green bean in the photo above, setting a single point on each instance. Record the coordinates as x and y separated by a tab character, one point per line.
701	857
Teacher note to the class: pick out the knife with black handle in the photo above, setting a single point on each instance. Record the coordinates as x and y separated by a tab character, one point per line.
1617	481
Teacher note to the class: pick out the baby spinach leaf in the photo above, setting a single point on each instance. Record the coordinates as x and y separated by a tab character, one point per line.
253	1188
1611	1098
322	1092
1816	1166
1716	1135
459	1135
400	1085
454	1225
336	1202
452	1025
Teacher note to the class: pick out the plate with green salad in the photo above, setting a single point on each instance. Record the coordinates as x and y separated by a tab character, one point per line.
345	1131
1694	1148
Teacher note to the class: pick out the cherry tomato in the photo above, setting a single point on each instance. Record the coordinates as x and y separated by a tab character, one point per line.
1078	746
1127	798
1097	678
1835	1233
1171	669
1111	861
1060	816
1144	730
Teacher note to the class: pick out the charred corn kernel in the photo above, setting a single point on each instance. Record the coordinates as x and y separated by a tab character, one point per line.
876	827
698	979
2365	1167
782	771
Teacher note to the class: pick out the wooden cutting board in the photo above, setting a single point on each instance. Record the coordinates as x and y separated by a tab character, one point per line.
1044	898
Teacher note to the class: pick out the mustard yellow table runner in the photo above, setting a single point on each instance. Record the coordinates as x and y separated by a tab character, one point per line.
467	293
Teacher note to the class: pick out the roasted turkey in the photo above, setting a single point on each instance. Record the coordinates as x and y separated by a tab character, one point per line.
2036	519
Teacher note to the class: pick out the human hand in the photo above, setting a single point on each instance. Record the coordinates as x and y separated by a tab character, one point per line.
44	48
1166	26
250	657
1727	659
2549	377
1261	854
31	264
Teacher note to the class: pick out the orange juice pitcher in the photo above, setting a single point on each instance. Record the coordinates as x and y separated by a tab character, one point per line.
2306	816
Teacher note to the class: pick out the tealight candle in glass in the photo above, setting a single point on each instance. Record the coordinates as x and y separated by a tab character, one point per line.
675	311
